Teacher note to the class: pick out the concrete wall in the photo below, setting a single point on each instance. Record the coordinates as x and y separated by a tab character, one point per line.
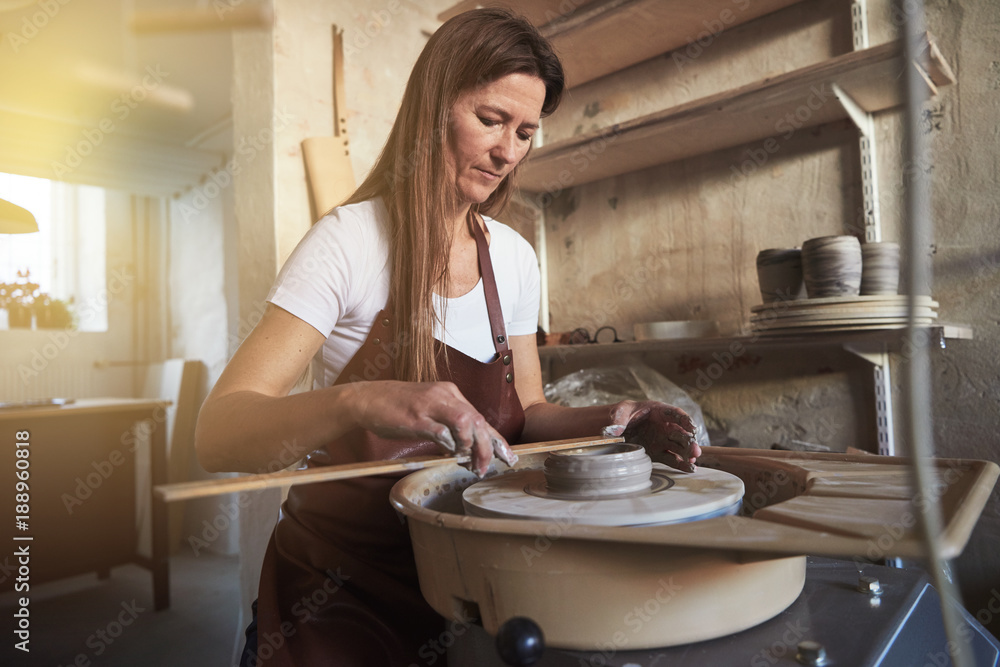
966	377
678	241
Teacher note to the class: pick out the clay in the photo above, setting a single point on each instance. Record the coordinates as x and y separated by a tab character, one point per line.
609	485
610	471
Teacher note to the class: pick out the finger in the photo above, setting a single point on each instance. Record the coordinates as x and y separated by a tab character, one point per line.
684	440
503	451
667	437
482	452
684	466
677	429
460	420
678	461
480	455
445	438
675	415
476	437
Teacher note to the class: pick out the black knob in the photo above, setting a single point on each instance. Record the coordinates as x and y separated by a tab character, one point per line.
520	642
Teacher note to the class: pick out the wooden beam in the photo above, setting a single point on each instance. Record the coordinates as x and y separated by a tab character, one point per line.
203	20
628	31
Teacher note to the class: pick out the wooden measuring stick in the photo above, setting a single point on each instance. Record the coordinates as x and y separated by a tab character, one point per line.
217	487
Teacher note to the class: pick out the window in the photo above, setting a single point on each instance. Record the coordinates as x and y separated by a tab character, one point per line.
65	258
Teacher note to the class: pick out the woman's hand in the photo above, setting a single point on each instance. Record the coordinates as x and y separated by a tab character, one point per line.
435	411
667	433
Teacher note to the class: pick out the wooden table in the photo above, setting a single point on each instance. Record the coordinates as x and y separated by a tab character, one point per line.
82	485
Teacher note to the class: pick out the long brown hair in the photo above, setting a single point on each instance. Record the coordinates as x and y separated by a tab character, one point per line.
469	50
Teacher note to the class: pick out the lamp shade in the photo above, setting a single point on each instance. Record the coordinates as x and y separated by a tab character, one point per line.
16	220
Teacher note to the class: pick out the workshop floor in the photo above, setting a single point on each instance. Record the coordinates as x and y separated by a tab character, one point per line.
75	621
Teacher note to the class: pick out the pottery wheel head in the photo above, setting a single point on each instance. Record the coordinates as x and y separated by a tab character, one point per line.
610	485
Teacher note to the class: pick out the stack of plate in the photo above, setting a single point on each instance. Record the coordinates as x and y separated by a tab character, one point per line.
851	313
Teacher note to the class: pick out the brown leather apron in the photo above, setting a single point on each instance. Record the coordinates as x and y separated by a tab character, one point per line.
339	583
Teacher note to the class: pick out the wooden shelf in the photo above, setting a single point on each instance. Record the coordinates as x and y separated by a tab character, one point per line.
629	31
773	107
891	338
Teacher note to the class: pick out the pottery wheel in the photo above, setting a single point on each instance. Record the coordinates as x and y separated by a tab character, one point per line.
669	496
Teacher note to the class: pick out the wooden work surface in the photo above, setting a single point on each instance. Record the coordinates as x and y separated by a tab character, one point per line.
83	406
82	483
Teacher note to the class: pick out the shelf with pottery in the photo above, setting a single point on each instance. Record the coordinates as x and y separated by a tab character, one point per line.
872	346
757	111
892	338
629	31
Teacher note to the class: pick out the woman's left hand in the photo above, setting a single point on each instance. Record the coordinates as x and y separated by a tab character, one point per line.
667	432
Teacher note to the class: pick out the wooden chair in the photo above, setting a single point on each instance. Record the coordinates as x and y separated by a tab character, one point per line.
179	381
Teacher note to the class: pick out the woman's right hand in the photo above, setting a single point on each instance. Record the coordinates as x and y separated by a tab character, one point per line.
249	421
435	411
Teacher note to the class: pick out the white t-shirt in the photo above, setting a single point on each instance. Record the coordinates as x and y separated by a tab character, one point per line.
337	280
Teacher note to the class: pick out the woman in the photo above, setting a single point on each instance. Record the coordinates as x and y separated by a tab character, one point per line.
448	362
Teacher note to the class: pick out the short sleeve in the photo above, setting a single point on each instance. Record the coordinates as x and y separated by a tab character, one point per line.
316	284
524	318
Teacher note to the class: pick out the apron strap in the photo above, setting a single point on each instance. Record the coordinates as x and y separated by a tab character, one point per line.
489	286
380	332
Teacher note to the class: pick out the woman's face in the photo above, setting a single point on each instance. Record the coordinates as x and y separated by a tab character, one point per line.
489	132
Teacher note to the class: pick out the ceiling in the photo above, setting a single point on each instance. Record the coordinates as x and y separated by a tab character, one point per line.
84	98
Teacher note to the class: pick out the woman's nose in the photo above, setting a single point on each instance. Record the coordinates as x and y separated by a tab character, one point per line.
506	148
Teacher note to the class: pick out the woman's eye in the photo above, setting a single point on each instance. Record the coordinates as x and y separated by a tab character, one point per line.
488	122
524	136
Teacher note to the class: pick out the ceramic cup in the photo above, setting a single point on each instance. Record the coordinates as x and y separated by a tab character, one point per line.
779	274
879	268
831	266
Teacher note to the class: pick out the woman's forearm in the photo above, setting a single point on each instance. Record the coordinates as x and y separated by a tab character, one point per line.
548	421
246	431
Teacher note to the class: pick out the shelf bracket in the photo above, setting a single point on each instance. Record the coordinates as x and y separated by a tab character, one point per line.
869	170
878	356
859	24
863	119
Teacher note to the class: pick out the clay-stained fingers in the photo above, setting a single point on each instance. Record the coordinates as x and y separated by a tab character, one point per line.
667	432
472	435
502	450
485	443
435	411
674	414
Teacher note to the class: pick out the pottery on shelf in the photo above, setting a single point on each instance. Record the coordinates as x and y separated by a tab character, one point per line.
831	266
779	274
879	268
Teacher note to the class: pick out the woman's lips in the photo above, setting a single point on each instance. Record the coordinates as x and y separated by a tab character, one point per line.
490	176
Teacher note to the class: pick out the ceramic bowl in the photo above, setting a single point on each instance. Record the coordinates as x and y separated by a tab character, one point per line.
831	266
675	329
779	274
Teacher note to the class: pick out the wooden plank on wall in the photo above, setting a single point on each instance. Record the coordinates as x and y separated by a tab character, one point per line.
772	107
628	31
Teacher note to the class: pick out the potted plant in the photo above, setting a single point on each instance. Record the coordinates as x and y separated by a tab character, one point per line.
19	297
52	313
